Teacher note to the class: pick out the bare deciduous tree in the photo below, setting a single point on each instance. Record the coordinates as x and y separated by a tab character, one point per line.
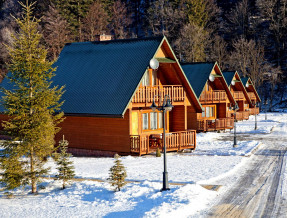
96	21
120	20
56	31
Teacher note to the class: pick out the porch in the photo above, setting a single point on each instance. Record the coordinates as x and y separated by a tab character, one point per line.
217	124
213	97
175	141
253	111
242	115
145	94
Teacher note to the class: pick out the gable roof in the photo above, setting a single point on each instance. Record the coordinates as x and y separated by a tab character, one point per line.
197	74
229	76
101	78
245	80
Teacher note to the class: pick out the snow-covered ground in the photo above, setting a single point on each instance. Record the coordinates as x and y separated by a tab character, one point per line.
213	159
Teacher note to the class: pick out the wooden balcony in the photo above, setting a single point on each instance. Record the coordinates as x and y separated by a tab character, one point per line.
238	96
146	94
253	111
175	141
252	96
213	97
217	124
242	115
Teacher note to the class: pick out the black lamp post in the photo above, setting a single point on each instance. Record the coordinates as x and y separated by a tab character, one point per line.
234	108
166	106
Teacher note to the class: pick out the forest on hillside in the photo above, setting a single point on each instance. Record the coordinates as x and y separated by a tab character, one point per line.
245	35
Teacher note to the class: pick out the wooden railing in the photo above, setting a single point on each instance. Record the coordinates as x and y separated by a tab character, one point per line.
252	95
253	111
242	115
238	95
175	141
213	96
146	94
217	124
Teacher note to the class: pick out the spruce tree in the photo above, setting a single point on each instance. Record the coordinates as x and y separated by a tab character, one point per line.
65	165
31	105
117	174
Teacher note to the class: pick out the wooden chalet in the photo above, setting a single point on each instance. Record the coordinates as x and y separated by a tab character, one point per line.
239	94
214	95
109	88
253	95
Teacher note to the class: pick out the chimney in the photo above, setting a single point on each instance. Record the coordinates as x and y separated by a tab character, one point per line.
103	37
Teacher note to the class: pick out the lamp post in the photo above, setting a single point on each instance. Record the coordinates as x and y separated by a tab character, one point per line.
165	106
255	105
234	108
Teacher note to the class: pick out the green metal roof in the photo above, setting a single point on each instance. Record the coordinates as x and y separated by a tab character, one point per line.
244	80
228	75
197	74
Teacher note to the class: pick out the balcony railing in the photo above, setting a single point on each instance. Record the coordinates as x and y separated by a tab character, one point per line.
252	95
253	111
217	124
146	94
242	115
175	141
238	95
213	97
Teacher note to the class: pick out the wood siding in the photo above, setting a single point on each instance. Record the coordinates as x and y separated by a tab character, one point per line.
96	133
177	119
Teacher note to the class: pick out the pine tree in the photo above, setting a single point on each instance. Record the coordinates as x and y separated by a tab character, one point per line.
118	174
65	165
30	105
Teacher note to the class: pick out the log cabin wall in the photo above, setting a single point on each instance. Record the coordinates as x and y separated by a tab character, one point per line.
177	119
221	110
96	133
191	118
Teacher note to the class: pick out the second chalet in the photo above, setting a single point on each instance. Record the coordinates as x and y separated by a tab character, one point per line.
214	95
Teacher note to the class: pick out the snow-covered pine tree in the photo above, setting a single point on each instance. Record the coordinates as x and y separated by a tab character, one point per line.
65	167
31	105
117	174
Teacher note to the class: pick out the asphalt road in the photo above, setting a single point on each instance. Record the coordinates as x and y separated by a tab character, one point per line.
257	191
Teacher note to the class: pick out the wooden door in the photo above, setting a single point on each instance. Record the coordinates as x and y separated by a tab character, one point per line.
135	123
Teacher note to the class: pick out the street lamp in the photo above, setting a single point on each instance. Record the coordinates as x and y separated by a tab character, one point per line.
266	103
165	106
234	108
255	105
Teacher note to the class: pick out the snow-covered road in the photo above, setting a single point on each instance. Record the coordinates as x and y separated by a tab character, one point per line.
260	191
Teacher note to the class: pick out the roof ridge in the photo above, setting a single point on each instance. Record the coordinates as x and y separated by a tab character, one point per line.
159	38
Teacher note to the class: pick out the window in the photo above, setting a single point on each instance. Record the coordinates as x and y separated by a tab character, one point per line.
145	121
153	120
145	81
208	111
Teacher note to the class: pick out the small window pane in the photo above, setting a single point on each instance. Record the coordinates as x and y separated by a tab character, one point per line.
207	111
145	121
160	121
203	113
145	81
211	111
154	76
153	120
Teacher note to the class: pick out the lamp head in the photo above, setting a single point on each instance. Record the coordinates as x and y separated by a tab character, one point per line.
211	78
233	82
247	85
168	106
153	106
